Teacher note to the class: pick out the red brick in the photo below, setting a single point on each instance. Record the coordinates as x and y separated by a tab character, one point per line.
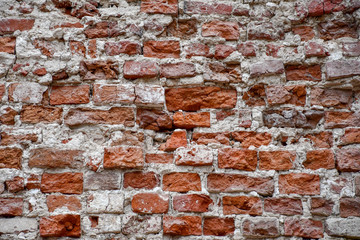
15	185
7	44
223	51
69	94
276	160
181	182
77	48
351	135
316	8
301	72
317	159
239	183
183	226
194	156
219	226
255	95
99	69
192	203
242	10
162	49
103	30
242	205
261	227
55	158
153	119
177	70
113	93
264	31
228	30
283	206
7	116
247	49
10	158
68	183
350	207
342	69
33	182
54	202
117	48
160	6
191	120
9	138
306	32
299	183
182	28
150	203
159	158
321	139
193	7
147	180
140	69
123	157
223	73
351	49
176	140
348	160
277	94
8	26
266	68
40	114
61	75
60	226
306	228
252	138
40	71
197	49
313	49
68	25
342	119
92	48
208	138
2	91
331	97
272	50
237	159
193	99
87	116
10	207
337	29
321	207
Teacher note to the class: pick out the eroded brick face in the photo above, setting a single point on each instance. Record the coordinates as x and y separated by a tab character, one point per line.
168	119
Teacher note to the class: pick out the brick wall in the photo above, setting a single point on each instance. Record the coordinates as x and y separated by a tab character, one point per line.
192	119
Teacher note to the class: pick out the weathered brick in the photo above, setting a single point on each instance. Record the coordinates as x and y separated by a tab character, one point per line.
303	73
351	135
69	94
55	158
197	49
299	183
194	156
242	205
223	51
313	49
193	7
102	180
228	30
123	157
239	183
150	203
276	160
159	158
343	227
160	6
217	226
350	207
181	182
7	44
15	184
26	92
306	228
105	202
277	94
191	120
10	207
321	206
210	138
68	183
8	26
183	226
113	93
77	48
10	138
60	226
342	119
351	49
140	69
342	69
247	49
348	160
149	95
261	227
237	159
177	70
40	114
255	96
126	47
88	116
136	224
192	203
283	206
264	31
54	202
321	139
317	159
2	91
251	138
306	32
153	119
10	158
93	70
266	68
223	73
162	49
331	97
147	180
103	30
7	116
176	140
337	29
193	99
182	28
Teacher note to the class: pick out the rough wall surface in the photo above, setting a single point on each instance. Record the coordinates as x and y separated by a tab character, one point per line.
161	119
